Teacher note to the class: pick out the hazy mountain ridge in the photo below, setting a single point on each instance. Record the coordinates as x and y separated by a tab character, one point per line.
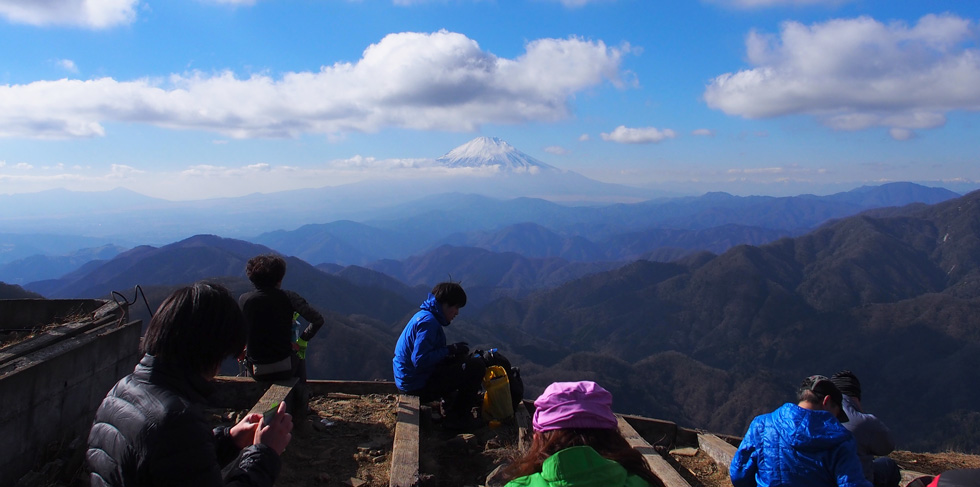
538	228
38	267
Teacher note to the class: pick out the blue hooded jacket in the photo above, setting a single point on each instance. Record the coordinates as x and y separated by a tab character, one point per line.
794	446
421	346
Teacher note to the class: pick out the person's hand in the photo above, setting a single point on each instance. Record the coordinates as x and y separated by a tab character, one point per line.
275	433
459	348
243	433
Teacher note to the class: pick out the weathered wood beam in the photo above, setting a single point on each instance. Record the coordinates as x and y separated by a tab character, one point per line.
661	467
718	449
405	452
275	394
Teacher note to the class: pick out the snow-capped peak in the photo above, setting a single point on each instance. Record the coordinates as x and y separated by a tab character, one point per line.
491	151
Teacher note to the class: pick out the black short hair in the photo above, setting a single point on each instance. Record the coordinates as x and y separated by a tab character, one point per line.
266	270
449	294
198	325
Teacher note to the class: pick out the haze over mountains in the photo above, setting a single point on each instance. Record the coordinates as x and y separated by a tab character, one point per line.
702	310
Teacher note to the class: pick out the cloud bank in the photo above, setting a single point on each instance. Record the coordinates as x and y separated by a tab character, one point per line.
854	74
437	81
92	14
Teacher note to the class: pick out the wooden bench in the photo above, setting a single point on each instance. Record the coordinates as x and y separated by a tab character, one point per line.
661	467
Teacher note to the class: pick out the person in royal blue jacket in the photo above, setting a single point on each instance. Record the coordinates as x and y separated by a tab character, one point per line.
800	445
425	366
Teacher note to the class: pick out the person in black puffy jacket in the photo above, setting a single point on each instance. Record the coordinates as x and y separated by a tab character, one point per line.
150	429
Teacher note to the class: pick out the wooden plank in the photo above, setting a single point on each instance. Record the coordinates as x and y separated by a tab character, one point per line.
525	431
660	433
405	452
661	468
276	393
720	450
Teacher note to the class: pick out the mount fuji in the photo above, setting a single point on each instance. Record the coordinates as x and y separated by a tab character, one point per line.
484	166
483	152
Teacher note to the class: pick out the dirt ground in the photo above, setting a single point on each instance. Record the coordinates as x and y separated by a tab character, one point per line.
453	459
701	470
348	442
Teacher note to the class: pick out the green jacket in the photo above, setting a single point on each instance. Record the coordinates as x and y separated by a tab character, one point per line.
579	466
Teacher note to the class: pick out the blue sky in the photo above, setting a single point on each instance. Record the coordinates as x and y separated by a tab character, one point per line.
193	99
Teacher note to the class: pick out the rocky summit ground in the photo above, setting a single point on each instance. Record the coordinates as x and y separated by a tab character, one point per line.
348	439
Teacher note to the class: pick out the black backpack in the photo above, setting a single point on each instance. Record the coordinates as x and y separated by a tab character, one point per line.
494	357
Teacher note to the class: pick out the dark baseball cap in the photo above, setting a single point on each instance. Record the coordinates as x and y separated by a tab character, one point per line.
823	386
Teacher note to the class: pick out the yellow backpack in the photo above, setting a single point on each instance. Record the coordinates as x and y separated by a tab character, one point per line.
497	402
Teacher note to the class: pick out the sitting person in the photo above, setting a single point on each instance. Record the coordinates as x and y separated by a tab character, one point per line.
151	431
802	444
873	437
577	442
425	366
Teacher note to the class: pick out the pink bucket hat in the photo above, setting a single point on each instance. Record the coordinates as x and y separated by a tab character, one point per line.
574	405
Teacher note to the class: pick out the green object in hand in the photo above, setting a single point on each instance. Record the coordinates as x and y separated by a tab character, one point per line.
301	352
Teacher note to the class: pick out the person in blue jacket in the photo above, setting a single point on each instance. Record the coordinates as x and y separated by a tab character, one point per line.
800	445
425	366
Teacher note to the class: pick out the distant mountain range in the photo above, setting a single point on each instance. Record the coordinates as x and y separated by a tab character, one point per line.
707	340
660	230
485	166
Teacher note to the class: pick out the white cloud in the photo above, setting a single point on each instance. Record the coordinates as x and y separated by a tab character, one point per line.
556	149
437	81
748	4
854	74
234	2
93	14
758	170
645	135
122	171
67	65
580	3
901	134
703	132
584	138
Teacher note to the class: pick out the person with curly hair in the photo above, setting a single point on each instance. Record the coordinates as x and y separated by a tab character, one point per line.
272	351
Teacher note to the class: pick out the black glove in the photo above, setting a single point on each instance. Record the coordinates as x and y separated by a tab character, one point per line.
459	348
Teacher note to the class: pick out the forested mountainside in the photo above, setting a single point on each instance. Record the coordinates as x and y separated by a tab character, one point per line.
895	299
